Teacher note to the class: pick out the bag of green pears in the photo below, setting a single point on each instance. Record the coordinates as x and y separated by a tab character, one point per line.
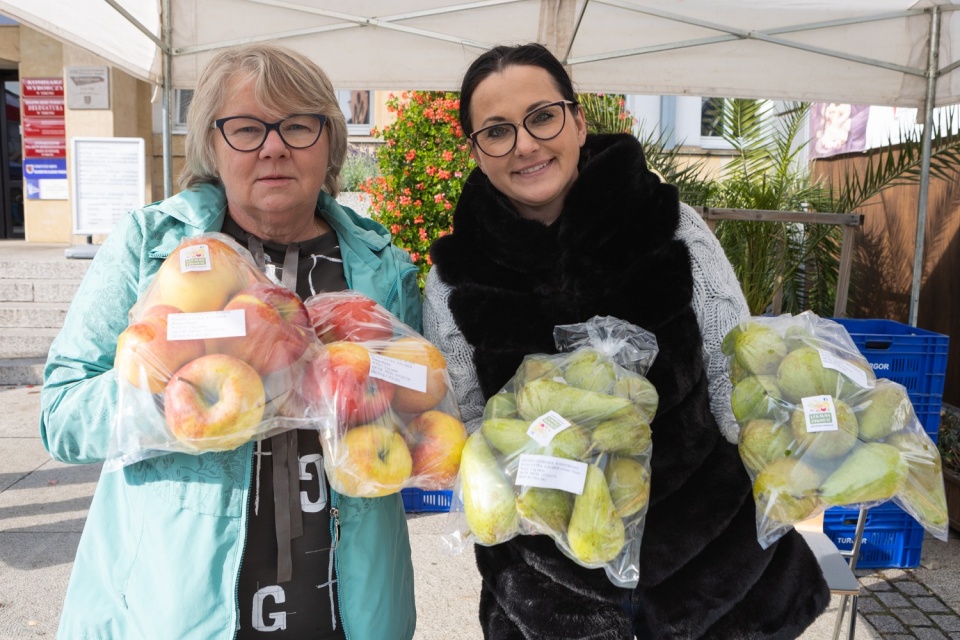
818	429
564	451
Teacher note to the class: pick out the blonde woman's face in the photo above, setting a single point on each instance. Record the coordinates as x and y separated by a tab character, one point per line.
274	185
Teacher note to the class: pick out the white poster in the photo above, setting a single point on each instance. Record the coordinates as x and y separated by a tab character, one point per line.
109	179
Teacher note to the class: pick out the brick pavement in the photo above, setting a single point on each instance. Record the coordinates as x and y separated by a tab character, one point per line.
898	607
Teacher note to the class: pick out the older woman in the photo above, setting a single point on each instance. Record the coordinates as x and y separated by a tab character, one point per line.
556	226
187	546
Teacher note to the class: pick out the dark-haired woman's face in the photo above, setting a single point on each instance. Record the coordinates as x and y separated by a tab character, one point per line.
537	174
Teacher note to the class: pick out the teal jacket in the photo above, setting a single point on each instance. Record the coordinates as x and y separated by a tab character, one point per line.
160	552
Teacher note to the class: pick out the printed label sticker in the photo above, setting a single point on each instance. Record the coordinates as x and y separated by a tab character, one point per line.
548	472
544	428
406	374
819	413
195	258
206	324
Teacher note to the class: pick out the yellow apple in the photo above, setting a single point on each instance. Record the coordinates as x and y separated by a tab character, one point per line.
421	352
436	441
214	403
145	358
370	461
224	273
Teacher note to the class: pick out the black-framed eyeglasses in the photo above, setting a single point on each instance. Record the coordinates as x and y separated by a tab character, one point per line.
543	123
244	133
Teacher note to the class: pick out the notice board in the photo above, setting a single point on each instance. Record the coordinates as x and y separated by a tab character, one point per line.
108	180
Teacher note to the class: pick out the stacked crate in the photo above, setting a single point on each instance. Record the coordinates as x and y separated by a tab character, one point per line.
917	359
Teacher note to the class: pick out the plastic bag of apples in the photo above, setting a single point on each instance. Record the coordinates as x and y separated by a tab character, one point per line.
211	357
388	417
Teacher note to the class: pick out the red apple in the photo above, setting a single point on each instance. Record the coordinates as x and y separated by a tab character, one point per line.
223	273
421	352
214	403
372	460
278	328
146	358
348	315
338	381
436	441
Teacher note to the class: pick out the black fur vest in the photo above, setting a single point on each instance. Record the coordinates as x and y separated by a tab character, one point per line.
612	252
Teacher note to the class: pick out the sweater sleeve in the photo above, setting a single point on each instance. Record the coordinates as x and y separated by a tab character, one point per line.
719	304
440	328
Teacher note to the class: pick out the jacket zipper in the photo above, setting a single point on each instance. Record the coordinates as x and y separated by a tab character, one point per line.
244	512
335	538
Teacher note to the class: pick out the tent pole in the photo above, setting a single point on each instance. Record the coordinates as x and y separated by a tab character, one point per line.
926	142
167	110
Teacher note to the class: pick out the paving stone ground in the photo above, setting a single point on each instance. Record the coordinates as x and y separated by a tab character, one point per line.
898	606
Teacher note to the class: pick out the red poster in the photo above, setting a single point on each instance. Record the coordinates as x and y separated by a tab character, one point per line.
34	127
44	148
43	107
41	87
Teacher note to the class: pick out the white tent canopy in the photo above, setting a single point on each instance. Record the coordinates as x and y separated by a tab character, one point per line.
877	52
859	51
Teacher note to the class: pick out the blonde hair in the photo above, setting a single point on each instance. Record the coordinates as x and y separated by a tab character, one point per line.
284	82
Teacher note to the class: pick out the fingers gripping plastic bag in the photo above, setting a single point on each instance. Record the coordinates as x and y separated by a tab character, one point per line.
211	357
818	429
564	451
382	397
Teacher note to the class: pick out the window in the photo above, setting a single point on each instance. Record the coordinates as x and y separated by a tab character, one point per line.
181	103
711	124
357	107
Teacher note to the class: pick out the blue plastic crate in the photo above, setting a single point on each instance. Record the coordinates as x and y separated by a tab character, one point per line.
891	538
418	500
927	407
915	358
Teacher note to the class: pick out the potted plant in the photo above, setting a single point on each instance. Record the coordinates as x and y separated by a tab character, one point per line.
948	442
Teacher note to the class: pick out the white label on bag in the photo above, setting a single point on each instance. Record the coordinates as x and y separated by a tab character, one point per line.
852	371
206	324
548	472
406	374
544	428
819	413
195	258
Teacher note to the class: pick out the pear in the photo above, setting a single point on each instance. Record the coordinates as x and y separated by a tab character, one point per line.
639	391
537	366
800	375
759	348
737	372
488	499
538	396
763	441
501	405
596	533
839	385
627	434
572	443
755	397
587	369
545	510
796	336
509	436
826	444
728	345
786	491
629	484
922	490
873	471
885	410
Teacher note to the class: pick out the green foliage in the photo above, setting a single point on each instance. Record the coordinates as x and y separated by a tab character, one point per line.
359	166
605	113
423	164
948	441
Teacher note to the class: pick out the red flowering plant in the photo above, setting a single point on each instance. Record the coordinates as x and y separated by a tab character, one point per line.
423	165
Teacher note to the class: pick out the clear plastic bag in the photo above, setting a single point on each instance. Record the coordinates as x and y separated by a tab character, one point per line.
382	397
564	451
211	356
818	429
